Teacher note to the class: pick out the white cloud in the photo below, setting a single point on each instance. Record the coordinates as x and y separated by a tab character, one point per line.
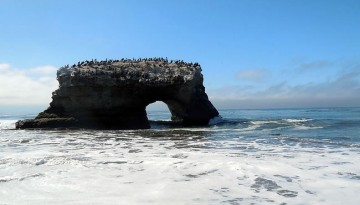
253	74
32	86
43	70
4	67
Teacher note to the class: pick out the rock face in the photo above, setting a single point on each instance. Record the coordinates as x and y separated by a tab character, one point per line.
113	94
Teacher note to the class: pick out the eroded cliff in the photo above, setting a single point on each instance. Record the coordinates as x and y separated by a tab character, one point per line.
113	94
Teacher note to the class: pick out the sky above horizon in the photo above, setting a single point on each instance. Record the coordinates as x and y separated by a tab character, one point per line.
254	53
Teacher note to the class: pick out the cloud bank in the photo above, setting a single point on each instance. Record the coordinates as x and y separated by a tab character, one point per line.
343	91
32	86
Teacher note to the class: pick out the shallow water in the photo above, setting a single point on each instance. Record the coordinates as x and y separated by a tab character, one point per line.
291	156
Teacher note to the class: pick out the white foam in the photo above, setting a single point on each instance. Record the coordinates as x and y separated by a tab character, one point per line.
7	124
106	167
297	120
264	122
303	127
215	120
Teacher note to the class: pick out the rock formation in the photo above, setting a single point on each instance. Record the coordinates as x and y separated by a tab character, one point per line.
113	94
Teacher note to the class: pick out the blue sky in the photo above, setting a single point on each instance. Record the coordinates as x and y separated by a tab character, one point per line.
254	53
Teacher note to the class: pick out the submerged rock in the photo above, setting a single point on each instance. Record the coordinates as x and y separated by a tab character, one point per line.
113	94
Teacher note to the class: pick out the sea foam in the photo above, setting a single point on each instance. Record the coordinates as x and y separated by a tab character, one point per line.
238	161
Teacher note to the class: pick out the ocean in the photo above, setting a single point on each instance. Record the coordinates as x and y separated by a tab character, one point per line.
270	156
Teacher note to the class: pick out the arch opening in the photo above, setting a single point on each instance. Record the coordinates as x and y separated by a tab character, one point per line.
161	115
158	111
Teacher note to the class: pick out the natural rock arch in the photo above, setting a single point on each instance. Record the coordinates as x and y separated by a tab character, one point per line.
114	95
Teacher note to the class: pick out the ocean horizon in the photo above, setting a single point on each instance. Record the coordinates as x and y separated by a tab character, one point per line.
251	156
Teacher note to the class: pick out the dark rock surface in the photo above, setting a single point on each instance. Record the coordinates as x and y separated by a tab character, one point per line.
113	94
